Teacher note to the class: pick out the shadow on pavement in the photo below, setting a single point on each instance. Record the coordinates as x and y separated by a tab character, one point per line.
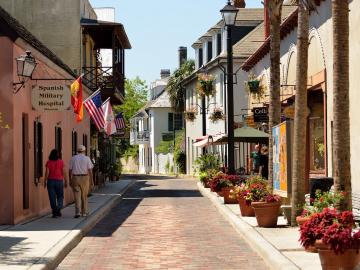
131	200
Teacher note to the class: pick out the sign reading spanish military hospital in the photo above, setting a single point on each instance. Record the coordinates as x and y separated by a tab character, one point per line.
50	97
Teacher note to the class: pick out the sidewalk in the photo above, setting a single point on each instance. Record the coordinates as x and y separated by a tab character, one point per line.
44	242
279	247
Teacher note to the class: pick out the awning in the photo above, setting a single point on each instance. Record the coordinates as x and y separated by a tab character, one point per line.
245	134
207	140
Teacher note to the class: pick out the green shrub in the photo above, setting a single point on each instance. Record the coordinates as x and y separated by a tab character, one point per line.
167	166
207	162
180	161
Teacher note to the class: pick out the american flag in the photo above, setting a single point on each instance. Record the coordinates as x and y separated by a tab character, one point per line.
93	106
120	122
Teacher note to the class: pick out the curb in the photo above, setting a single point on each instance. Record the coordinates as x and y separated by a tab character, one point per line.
53	257
272	257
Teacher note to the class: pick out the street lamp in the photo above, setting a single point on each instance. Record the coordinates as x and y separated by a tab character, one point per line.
229	13
25	65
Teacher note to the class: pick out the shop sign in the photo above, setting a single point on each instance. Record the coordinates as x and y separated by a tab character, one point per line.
261	114
50	97
289	112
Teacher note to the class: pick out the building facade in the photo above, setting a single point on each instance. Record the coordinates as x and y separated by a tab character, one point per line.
154	123
320	86
31	125
210	58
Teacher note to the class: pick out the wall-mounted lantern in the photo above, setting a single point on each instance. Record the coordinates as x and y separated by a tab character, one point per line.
26	65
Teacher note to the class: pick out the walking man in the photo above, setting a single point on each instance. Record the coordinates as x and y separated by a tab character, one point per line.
80	174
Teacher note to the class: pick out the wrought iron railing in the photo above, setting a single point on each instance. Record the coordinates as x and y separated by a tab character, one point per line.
103	78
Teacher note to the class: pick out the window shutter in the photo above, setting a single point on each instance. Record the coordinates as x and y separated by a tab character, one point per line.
171	122
219	44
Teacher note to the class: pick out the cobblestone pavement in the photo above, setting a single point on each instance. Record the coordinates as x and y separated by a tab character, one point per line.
163	223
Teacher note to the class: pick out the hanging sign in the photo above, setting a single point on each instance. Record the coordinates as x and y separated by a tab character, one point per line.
50	98
261	115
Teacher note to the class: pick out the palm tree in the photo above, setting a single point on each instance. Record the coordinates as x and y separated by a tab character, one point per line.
274	8
341	124
299	151
174	87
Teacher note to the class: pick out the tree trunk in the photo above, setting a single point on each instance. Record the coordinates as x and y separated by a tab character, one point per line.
341	131
274	8
299	149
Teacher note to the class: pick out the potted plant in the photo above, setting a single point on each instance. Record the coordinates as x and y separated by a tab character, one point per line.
253	86
265	204
205	86
190	114
232	181
322	200
218	182
205	177
216	115
241	193
332	234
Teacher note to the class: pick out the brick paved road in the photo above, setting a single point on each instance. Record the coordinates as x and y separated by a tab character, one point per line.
163	224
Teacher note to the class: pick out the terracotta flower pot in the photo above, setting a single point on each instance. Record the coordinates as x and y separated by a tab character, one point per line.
246	210
226	195
266	213
301	220
220	193
348	260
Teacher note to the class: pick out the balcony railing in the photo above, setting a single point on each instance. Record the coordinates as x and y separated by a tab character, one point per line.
110	80
142	137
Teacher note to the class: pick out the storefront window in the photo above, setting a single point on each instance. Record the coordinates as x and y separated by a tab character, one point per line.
316	134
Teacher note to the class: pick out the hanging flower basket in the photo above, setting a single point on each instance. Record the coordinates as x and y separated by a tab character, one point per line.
253	86
190	114
216	115
205	86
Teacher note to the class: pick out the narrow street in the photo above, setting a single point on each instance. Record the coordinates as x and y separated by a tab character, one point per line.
163	223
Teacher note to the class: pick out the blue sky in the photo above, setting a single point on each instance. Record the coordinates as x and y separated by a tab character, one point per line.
157	28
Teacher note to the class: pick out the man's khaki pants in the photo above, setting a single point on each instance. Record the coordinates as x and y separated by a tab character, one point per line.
80	185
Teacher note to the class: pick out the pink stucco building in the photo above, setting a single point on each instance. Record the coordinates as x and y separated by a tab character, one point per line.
27	135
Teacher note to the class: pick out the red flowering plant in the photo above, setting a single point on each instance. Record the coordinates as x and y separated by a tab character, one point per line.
334	228
255	189
221	180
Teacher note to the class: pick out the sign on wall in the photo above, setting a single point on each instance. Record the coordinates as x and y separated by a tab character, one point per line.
261	114
50	97
282	159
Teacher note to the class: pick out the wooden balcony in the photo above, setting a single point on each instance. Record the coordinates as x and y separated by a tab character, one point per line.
109	79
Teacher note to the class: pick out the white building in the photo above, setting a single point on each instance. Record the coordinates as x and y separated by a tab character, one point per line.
210	57
154	123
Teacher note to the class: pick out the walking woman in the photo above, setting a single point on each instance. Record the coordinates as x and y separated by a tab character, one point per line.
55	180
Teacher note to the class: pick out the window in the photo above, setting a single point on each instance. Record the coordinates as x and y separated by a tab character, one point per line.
38	151
85	142
200	57
209	51
58	140
175	121
150	122
219	44
73	142
170	121
178	121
